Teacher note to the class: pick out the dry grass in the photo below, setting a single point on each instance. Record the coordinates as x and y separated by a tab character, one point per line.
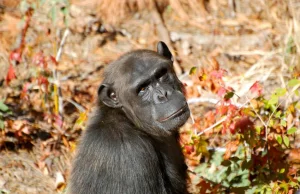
275	67
115	12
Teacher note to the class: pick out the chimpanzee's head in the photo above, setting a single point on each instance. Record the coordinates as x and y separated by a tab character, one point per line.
144	85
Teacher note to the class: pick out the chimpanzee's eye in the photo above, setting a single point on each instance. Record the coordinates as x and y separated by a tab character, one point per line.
113	95
143	88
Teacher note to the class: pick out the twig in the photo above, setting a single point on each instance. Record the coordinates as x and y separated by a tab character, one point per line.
28	14
164	35
211	100
202	100
259	117
78	106
62	42
213	126
255	52
56	75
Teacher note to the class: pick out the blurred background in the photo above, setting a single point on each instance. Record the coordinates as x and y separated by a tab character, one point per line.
52	54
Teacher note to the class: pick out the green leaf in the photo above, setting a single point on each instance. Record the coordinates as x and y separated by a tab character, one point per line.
291	130
246	164
1	124
269	191
273	100
65	11
273	107
201	147
283	123
271	123
297	106
290	45
284	186
193	70
280	92
286	140
278	114
249	112
258	129
279	139
293	184
228	95
3	107
264	152
282	171
169	9
53	13
293	82
226	163
234	159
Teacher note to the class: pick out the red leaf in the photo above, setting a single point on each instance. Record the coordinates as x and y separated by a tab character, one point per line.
43	80
232	108
218	74
58	120
205	186
231	148
222	109
24	91
243	123
230	89
189	149
210	117
223	129
15	55
256	88
221	92
53	60
183	88
25	87
232	128
10	74
39	59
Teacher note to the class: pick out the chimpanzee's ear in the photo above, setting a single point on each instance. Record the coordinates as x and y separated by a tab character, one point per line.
163	50
108	96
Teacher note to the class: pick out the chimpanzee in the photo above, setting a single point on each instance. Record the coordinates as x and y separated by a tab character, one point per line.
131	144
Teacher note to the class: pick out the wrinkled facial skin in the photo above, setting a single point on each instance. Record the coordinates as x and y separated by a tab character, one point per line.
154	98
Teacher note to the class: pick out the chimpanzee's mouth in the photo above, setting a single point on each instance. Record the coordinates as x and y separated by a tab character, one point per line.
175	114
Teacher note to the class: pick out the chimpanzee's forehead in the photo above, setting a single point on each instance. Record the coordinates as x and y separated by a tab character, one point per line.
145	65
143	61
134	67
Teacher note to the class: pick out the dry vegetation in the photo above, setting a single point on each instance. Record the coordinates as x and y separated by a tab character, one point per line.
52	57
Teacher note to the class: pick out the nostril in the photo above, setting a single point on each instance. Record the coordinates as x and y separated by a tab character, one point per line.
162	96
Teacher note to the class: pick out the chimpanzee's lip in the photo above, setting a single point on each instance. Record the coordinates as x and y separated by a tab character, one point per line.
180	111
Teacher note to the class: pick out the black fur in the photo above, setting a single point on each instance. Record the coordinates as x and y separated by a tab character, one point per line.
131	143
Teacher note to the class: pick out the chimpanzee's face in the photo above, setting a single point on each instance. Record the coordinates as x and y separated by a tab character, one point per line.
149	92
